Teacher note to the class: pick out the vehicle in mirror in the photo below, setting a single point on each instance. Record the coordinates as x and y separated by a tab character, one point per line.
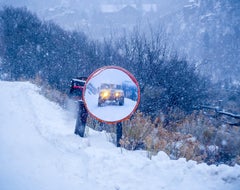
111	94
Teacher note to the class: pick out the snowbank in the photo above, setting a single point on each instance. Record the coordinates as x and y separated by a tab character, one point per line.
38	150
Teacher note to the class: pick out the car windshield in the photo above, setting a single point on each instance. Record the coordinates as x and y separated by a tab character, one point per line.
111	86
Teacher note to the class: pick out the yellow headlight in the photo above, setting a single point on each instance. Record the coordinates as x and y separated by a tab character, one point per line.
105	94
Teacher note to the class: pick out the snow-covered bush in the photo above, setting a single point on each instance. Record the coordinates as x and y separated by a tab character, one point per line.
220	141
135	131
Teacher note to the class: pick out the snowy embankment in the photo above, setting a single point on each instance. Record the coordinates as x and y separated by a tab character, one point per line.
39	151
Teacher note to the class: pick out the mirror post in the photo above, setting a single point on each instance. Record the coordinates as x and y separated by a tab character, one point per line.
108	90
81	119
119	133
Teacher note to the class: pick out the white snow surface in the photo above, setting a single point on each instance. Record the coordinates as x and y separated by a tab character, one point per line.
38	150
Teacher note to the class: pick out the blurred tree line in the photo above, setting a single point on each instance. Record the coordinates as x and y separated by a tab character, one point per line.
32	48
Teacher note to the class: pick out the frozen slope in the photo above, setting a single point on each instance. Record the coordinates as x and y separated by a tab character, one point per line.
39	151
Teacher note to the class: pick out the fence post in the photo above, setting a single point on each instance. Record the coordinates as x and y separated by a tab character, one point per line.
81	119
119	133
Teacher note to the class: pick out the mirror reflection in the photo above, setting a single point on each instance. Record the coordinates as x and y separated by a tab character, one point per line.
111	94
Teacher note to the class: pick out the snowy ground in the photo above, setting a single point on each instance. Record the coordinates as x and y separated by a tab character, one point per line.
39	151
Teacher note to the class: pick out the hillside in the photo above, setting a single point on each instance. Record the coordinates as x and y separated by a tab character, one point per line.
38	150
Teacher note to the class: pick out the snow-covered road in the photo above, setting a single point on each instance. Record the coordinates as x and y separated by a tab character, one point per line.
39	151
109	111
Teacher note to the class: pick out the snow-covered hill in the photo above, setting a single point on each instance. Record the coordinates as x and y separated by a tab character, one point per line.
38	150
207	31
98	18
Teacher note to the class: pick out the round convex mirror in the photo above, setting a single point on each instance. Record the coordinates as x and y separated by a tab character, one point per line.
111	94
